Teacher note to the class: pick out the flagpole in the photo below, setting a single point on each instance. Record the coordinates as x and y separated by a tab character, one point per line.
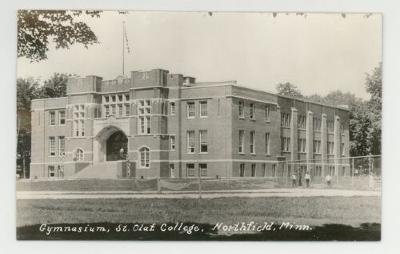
123	48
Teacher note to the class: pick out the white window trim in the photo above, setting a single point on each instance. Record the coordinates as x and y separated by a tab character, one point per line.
188	111
52	113
145	158
201	141
187	170
170	143
59	118
200	109
188	142
242	115
241	142
253	142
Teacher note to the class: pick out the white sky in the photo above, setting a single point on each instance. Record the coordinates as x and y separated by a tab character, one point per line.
319	53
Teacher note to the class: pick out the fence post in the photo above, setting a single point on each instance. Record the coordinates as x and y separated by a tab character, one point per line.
158	184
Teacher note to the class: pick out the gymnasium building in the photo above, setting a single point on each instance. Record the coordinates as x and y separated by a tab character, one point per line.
156	124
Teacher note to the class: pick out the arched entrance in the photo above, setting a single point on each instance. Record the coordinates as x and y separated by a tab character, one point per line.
107	144
116	146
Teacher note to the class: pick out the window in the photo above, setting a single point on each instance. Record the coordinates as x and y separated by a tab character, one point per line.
332	170
342	151
82	125
52	171
61	117
203	169
285	120
120	109
285	144
273	173
317	124
267	111
113	98
191	111
301	122
127	109
60	170
241	141
172	108
241	109
61	145
253	170
113	110
172	170
264	170
144	157
172	143
190	141
342	128
78	128
252	111
107	110
317	146
267	143
79	154
52	118
120	97
252	142
301	145
52	146
190	170
330	126
203	109
241	170
144	122
203	141
107	98
126	97
330	147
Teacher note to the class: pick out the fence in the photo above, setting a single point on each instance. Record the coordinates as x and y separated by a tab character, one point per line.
361	173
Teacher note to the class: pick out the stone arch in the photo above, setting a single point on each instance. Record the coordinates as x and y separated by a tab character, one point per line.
107	144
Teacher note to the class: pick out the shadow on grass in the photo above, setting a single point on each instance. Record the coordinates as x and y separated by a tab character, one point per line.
108	231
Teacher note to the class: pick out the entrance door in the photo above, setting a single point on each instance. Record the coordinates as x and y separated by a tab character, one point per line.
117	146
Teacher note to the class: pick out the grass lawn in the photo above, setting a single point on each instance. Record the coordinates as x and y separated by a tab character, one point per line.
305	210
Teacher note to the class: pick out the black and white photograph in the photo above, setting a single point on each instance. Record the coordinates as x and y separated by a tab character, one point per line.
198	125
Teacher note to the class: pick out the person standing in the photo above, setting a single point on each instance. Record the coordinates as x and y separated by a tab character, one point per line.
328	179
121	153
293	177
308	179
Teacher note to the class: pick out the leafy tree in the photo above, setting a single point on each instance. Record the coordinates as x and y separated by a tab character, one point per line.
288	89
56	86
37	28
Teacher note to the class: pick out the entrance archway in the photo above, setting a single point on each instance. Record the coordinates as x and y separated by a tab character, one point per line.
107	144
116	146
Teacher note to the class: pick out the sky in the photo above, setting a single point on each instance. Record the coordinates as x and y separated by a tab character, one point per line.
318	52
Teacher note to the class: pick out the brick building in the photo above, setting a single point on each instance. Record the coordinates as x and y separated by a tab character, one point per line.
157	124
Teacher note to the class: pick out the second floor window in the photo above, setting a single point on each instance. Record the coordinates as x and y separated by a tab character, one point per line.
252	142
52	118
203	109
342	150
172	108
331	147
172	143
144	125
61	145
267	143
285	144
190	142
191	110
241	141
252	111
203	141
61	117
317	146
52	146
285	120
241	109
267	111
317	124
301	122
302	145
330	126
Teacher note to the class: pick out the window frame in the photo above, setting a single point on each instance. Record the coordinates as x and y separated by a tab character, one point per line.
190	170
252	142
52	146
241	141
241	109
60	119
61	149
203	169
144	157
172	143
52	118
190	148
202	142
189	110
203	105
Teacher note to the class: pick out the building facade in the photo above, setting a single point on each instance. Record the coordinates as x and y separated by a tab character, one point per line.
157	124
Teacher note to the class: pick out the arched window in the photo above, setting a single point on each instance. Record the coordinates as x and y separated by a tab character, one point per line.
144	157
79	154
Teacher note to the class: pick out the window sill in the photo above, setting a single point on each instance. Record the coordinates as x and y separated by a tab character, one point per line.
203	152
252	119
253	154
267	121
191	118
241	117
242	153
267	155
203	116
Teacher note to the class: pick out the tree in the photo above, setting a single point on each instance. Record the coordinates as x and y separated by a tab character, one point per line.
288	89
56	86
373	85
37	28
